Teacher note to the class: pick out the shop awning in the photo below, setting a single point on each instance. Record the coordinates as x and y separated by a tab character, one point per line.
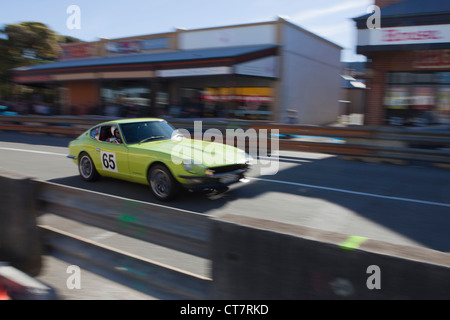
144	63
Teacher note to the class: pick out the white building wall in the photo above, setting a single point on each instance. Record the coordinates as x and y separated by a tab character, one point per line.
310	80
228	37
308	66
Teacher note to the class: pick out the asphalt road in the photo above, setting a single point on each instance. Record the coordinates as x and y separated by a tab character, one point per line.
399	204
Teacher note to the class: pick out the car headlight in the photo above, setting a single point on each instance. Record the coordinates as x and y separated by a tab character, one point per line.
193	167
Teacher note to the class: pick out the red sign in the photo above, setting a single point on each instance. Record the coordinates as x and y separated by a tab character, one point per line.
396	35
77	51
124	47
432	58
32	79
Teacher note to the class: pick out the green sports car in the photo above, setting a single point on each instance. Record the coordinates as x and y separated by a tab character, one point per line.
150	151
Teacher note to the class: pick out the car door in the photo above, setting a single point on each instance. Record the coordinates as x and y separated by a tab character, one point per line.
112	158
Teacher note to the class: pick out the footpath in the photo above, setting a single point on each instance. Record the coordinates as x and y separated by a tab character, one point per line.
56	282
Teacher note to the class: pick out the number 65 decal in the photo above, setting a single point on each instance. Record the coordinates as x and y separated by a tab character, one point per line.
109	161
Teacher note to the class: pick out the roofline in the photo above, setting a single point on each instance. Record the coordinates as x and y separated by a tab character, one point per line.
268	50
148	66
128	38
310	33
130	120
249	24
275	22
364	17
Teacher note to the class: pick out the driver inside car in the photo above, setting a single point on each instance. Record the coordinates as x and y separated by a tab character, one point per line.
116	136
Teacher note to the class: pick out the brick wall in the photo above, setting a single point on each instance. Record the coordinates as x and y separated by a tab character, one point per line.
82	96
383	62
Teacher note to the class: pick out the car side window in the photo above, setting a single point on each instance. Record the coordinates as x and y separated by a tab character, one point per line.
105	133
95	133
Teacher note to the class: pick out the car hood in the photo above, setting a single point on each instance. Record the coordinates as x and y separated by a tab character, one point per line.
209	154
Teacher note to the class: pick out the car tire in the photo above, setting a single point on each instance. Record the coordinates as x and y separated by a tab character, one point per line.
86	168
163	185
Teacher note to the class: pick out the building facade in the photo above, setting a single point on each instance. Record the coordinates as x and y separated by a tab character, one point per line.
269	71
408	76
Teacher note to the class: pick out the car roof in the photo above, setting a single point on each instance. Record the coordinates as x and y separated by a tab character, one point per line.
132	120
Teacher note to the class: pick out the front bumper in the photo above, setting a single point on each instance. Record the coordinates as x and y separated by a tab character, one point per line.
213	181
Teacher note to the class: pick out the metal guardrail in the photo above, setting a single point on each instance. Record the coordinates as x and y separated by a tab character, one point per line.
362	143
226	241
367	143
137	271
176	229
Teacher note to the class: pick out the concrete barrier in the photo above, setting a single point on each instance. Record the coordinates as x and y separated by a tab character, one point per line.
19	236
138	272
257	259
252	259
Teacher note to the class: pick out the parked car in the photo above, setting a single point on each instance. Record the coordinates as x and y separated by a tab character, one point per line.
6	111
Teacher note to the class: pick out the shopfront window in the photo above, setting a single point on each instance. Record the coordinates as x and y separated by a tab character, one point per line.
417	98
125	99
251	103
443	98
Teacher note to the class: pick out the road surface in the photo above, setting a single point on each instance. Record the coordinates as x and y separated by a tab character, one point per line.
405	205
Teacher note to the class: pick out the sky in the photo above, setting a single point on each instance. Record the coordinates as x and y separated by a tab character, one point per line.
330	19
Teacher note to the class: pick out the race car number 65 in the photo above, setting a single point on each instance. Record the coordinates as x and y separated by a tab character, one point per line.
109	161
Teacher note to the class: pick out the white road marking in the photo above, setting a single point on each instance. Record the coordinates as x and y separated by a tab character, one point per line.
33	151
446	205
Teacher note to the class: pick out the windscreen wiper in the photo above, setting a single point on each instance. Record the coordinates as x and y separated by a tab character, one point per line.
150	138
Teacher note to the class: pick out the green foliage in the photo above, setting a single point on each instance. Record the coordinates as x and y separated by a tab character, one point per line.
25	44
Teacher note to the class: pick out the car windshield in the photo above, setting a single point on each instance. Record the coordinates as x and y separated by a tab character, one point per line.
140	132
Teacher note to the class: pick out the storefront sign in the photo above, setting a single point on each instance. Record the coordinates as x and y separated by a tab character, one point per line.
137	45
423	98
404	35
191	72
397	98
241	94
77	51
32	79
155	44
432	59
240	98
124	47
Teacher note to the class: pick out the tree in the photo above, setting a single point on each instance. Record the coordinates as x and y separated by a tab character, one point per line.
25	44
